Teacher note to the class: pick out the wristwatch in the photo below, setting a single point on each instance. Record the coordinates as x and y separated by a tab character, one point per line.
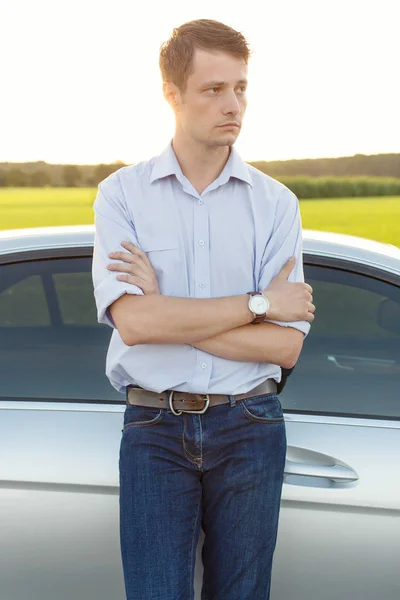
259	305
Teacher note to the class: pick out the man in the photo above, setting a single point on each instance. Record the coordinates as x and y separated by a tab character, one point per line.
180	242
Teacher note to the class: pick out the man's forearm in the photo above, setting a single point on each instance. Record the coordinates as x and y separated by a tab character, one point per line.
265	342
158	319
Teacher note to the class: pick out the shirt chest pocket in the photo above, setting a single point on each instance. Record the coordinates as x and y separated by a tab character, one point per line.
165	257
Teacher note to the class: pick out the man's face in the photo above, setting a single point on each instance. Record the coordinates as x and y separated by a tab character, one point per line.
212	107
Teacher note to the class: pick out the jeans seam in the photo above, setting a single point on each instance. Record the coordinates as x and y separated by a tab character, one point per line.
255	419
143	423
201	440
195	458
192	552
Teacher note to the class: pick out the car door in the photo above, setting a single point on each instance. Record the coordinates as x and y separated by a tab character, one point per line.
339	531
60	428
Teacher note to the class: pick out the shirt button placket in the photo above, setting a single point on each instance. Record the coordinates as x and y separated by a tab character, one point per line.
201	238
201	252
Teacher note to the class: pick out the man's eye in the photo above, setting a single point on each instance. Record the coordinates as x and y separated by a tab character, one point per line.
214	90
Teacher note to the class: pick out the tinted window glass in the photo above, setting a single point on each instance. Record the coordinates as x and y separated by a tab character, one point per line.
51	346
69	288
350	362
15	311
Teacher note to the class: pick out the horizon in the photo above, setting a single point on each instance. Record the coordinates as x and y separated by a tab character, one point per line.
318	87
255	160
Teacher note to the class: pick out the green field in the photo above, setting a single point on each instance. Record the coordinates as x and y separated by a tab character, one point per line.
375	218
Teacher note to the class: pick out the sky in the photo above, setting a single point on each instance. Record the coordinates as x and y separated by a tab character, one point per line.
80	81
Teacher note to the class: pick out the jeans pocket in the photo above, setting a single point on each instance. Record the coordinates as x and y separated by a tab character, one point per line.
263	409
141	416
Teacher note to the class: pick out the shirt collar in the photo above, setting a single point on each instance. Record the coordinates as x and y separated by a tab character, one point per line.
235	167
166	164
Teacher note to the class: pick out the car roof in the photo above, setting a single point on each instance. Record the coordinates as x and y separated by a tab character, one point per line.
356	249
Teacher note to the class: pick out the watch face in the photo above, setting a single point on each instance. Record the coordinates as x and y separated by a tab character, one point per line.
259	304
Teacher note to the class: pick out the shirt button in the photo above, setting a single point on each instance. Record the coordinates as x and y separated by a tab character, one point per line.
201	242
202	285
201	202
203	365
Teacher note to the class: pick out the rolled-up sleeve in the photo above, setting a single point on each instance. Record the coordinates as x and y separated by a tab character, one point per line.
113	225
286	241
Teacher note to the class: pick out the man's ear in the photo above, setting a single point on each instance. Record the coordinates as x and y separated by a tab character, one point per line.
171	94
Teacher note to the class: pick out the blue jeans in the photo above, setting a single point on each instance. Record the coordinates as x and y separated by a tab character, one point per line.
222	470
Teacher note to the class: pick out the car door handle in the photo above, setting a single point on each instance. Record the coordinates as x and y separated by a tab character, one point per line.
337	363
337	472
360	362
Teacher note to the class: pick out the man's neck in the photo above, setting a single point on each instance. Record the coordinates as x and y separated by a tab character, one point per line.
200	164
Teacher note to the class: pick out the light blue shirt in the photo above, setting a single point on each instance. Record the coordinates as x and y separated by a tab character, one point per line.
232	238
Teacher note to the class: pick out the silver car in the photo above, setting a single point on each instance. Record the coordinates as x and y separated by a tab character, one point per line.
61	422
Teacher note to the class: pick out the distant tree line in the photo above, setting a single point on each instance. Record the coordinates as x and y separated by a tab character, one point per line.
40	174
373	165
341	187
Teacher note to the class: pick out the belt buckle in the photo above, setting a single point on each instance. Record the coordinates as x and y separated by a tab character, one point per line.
192	412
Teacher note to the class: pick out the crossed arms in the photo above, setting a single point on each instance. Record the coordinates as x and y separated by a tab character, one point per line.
219	326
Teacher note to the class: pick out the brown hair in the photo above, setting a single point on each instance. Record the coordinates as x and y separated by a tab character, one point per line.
176	54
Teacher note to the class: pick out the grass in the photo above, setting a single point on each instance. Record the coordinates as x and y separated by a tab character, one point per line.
38	207
376	218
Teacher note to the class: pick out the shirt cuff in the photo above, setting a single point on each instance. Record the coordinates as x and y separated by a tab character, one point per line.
303	326
107	292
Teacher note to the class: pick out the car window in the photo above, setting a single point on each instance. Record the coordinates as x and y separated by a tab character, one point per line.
350	362
51	346
13	305
71	287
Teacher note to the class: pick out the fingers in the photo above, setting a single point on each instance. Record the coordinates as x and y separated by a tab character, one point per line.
134	268
303	290
125	256
146	287
308	296
286	269
132	248
133	279
127	267
310	314
129	264
134	262
137	251
134	254
308	288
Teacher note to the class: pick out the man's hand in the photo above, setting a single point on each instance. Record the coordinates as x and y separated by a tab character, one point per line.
289	300
135	268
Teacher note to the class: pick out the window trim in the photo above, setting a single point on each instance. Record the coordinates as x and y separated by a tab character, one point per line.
46	254
320	260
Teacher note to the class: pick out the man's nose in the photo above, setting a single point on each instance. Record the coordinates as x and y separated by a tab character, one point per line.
232	104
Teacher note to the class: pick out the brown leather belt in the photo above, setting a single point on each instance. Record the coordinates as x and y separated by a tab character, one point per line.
188	402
